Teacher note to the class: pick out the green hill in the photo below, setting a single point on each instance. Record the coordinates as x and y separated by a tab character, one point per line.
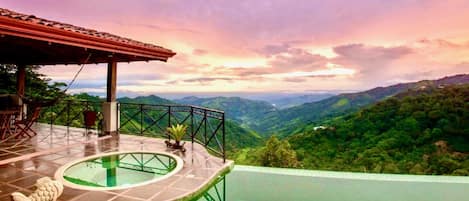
243	111
237	137
294	119
150	100
423	131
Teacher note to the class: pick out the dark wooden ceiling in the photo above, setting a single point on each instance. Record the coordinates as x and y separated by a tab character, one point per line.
16	50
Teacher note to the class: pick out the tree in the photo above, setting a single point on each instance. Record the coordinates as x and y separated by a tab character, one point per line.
278	153
38	87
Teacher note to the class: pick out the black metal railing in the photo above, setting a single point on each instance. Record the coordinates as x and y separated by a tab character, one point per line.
205	126
70	113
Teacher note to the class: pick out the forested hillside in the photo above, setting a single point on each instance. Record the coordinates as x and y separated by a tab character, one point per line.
291	120
422	131
243	111
237	137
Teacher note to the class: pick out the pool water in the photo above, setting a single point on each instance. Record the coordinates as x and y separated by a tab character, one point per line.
246	183
120	170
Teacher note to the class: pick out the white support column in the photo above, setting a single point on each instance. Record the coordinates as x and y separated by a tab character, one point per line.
111	117
110	109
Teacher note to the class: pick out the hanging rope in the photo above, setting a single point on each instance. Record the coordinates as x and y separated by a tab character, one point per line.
46	103
77	73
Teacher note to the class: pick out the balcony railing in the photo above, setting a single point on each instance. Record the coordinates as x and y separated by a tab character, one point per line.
205	126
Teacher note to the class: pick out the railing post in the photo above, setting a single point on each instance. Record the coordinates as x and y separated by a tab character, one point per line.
141	119
169	120
51	117
205	127
223	133
68	116
192	124
118	105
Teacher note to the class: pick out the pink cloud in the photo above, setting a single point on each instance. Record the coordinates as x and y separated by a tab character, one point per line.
381	40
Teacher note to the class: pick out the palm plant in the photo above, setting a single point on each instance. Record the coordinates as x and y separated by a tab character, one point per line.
177	132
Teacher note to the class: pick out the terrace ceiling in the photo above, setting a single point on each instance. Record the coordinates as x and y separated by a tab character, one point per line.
26	39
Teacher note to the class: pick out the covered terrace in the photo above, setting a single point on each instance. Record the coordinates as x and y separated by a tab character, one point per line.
27	40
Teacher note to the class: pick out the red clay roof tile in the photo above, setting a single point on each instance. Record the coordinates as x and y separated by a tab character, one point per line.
77	29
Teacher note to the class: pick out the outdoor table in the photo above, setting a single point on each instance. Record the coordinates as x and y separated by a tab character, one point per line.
6	118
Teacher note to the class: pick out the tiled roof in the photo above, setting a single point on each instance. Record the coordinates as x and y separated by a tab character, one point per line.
76	29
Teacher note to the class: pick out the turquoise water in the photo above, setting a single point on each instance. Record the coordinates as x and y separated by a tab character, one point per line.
120	170
247	183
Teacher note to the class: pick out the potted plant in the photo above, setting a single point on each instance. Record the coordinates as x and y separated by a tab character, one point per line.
177	132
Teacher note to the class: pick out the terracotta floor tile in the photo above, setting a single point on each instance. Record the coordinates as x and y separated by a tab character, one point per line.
26	182
94	195
6	189
5	198
123	198
168	194
198	165
144	192
188	183
13	174
70	193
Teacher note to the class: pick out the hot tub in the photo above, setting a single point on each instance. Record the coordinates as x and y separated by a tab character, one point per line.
118	170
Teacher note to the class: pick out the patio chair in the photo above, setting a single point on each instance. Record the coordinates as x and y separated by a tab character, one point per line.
23	127
90	118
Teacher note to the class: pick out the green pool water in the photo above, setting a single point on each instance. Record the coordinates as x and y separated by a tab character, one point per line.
120	170
246	183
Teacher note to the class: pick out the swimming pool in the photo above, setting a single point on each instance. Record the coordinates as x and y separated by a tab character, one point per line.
118	170
247	183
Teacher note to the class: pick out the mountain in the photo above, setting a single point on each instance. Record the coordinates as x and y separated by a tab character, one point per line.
282	103
243	111
150	100
420	131
237	137
286	121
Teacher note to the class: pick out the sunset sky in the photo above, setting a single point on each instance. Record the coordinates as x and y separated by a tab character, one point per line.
269	46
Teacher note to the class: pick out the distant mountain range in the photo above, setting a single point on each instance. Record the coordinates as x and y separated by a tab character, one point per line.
237	137
286	121
243	111
266	119
282	103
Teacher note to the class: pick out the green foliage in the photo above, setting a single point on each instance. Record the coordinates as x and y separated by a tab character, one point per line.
414	132
293	120
150	100
278	153
275	153
177	131
242	111
38	88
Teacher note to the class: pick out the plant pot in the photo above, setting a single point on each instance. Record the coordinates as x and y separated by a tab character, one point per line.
177	145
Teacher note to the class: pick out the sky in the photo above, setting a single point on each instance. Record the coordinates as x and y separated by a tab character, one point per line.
259	46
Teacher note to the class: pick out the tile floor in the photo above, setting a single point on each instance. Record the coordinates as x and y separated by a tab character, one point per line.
23	164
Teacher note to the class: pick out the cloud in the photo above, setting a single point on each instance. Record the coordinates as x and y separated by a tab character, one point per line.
282	38
297	59
294	79
199	52
270	50
361	53
373	63
204	80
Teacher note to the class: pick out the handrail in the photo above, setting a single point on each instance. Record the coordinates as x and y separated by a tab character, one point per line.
205	126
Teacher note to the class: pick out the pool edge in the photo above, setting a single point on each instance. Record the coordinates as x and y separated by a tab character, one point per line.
59	174
227	167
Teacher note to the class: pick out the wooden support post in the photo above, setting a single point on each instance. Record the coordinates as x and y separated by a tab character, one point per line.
20	80
111	81
110	109
20	87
